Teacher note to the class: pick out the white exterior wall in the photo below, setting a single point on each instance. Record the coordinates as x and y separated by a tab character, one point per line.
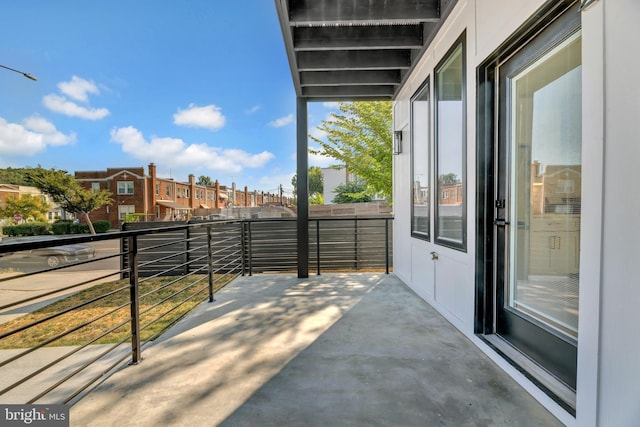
619	388
608	383
331	178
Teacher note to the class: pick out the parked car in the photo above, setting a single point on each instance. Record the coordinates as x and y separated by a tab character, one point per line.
52	256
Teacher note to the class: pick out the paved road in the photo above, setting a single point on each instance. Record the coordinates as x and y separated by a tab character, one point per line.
14	288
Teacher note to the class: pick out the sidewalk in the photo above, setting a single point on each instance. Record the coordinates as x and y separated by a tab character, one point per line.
331	350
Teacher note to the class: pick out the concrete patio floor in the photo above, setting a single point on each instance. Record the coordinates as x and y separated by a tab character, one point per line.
332	350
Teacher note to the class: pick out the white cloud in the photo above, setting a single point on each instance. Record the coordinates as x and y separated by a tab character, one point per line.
282	121
318	133
330	104
176	153
253	109
31	137
62	105
208	117
78	88
322	161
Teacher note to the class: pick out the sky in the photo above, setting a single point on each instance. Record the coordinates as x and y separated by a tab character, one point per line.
197	87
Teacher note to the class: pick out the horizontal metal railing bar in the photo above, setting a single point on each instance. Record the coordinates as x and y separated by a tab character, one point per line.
65	356
159	288
192	296
97	377
78	370
60	313
65	333
66	288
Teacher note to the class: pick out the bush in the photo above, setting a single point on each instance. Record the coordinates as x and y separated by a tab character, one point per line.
77	228
28	229
61	227
102	226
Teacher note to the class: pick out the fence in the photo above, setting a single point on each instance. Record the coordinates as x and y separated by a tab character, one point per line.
65	327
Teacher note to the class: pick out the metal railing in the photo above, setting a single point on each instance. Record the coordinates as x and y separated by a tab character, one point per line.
63	328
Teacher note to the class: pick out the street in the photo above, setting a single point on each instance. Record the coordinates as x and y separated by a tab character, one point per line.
21	288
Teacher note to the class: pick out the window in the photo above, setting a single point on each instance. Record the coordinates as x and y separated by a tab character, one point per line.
125	187
124	210
450	120
95	187
157	188
187	193
420	223
168	190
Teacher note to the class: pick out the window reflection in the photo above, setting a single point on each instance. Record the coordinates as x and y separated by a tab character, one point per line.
546	188
420	162
450	148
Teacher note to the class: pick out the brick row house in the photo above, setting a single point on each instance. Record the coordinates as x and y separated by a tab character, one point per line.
8	191
151	198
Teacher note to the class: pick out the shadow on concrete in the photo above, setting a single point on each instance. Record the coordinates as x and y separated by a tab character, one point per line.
337	349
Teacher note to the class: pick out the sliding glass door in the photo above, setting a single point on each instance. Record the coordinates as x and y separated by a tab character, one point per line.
538	203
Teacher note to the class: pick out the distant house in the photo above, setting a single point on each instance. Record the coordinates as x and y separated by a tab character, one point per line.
152	198
332	178
12	190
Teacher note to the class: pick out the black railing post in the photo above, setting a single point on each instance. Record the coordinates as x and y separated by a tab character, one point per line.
134	294
243	248
318	243
249	244
210	265
386	244
187	265
356	248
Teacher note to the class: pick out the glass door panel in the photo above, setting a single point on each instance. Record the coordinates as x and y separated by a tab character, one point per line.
538	206
545	191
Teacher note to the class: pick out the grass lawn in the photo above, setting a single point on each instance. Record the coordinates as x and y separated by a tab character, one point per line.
110	313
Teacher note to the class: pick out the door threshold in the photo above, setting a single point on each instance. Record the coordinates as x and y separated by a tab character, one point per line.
562	394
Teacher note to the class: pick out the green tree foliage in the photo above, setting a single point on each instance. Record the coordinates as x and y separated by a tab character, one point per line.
68	193
316	199
204	180
30	207
351	192
360	137
15	176
316	183
449	179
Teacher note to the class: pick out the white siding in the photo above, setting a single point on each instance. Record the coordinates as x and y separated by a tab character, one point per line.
609	348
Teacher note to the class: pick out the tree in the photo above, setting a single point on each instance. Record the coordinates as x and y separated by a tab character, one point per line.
351	192
360	137
68	193
449	179
316	184
16	176
204	180
29	207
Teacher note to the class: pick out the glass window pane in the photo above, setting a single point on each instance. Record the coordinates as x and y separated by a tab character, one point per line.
450	149
420	165
546	188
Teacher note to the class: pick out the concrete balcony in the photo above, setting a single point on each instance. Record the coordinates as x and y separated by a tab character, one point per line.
356	349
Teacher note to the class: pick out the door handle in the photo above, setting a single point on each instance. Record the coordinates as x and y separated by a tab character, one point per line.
434	256
500	222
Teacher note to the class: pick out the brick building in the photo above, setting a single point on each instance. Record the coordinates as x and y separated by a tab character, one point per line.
152	198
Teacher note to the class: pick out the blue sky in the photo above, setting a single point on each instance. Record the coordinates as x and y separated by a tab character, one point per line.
200	87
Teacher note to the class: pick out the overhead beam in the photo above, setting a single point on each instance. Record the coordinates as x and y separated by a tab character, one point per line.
347	92
358	37
330	12
350	77
353	60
